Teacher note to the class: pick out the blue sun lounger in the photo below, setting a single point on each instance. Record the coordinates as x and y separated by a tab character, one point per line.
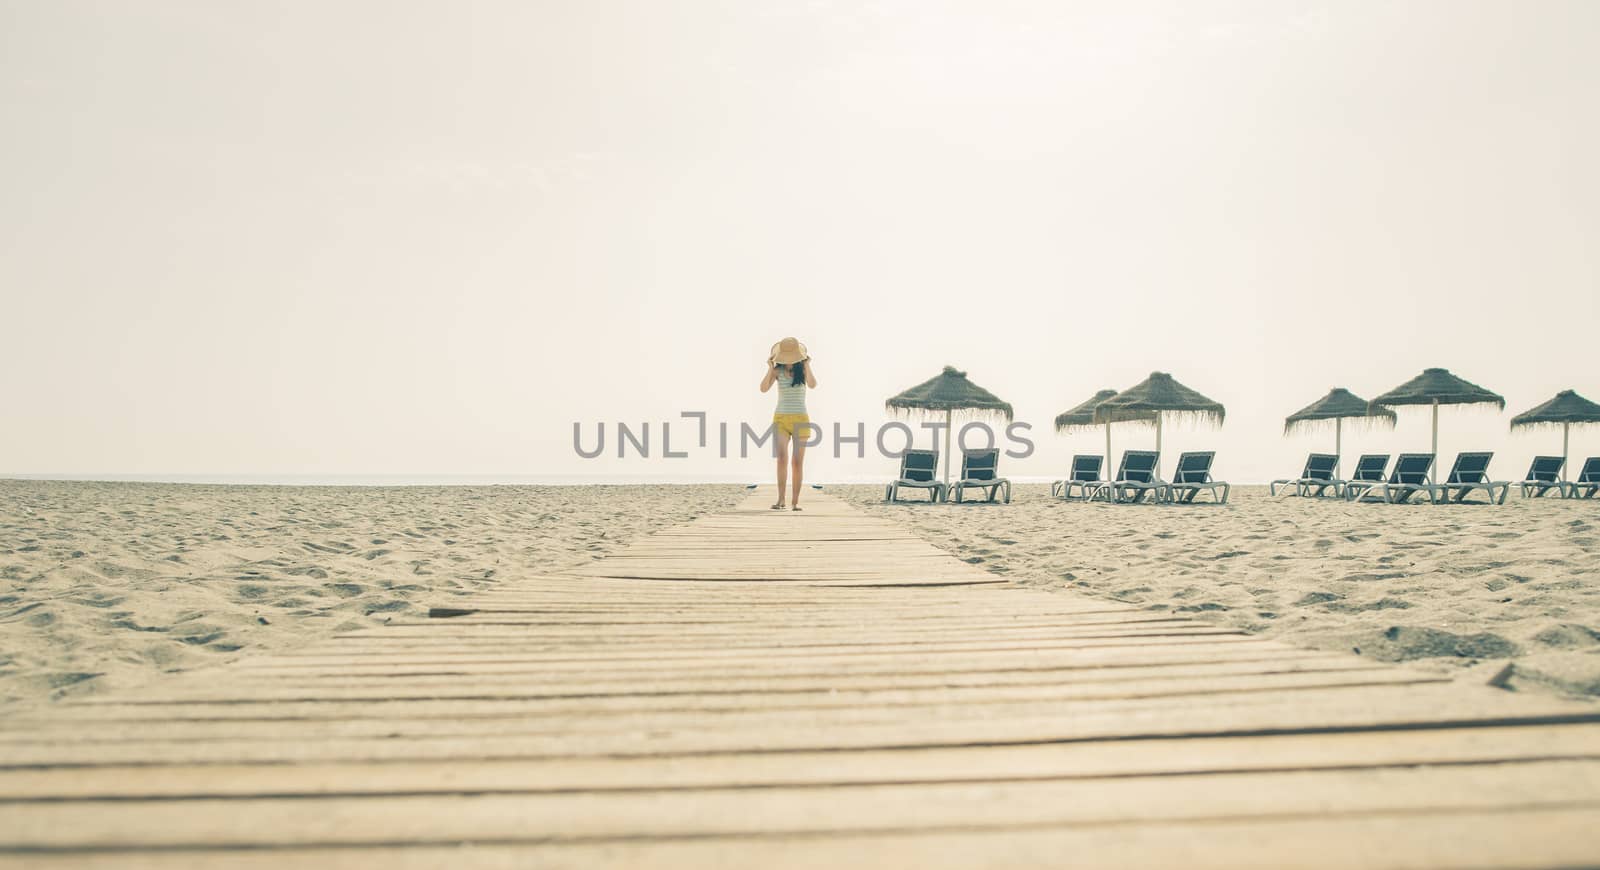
1193	475
1368	474
1470	472
979	470
1314	480
1136	478
1083	477
1588	482
917	470
1411	475
1544	475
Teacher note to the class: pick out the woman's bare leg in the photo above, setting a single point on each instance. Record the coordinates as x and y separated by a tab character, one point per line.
782	446
798	466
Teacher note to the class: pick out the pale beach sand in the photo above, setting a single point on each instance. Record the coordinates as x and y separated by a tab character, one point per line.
1453	587
103	585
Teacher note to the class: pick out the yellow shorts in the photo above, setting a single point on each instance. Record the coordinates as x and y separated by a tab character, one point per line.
786	423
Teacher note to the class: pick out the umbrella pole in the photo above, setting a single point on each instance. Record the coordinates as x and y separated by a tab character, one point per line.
1338	444
1158	445
1109	472
1566	429
1436	430
947	420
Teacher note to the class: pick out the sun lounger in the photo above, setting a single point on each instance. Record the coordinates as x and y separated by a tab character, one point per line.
1471	472
1588	482
1083	477
1368	474
1136	478
1314	480
1411	475
979	470
1545	475
917	471
1193	475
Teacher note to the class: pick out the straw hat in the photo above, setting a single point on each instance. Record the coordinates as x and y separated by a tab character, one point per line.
788	352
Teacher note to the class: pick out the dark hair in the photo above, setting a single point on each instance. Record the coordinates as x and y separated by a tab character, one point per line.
799	370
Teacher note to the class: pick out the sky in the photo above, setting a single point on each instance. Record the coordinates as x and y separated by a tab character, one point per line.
407	238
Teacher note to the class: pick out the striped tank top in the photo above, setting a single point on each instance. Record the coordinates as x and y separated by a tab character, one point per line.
791	396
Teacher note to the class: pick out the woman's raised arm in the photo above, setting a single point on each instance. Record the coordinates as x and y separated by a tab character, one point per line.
772	375
811	380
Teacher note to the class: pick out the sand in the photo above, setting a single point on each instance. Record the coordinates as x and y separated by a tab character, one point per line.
105	585
1470	589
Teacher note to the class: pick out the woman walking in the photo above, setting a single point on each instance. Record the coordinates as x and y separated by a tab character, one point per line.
789	366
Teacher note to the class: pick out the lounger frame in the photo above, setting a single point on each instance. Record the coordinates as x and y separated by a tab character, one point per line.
1588	482
980	469
917	471
1468	473
1132	485
1084	477
1544	476
1412	476
1371	469
1193	475
1316	478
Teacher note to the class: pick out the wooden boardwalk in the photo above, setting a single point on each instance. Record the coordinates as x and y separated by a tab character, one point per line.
817	689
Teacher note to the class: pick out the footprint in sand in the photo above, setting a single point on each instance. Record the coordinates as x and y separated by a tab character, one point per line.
331	547
1380	604
201	635
1365	576
1568	636
126	622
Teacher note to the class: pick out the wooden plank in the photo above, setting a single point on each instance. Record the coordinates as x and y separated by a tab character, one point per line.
596	704
713	635
1402	708
1472	840
965	764
1117	656
998	664
380	643
538	680
863	707
834	810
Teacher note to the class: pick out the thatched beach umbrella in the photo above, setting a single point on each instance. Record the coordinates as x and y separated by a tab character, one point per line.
1161	395
1336	407
1565	410
1082	417
951	393
1437	387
